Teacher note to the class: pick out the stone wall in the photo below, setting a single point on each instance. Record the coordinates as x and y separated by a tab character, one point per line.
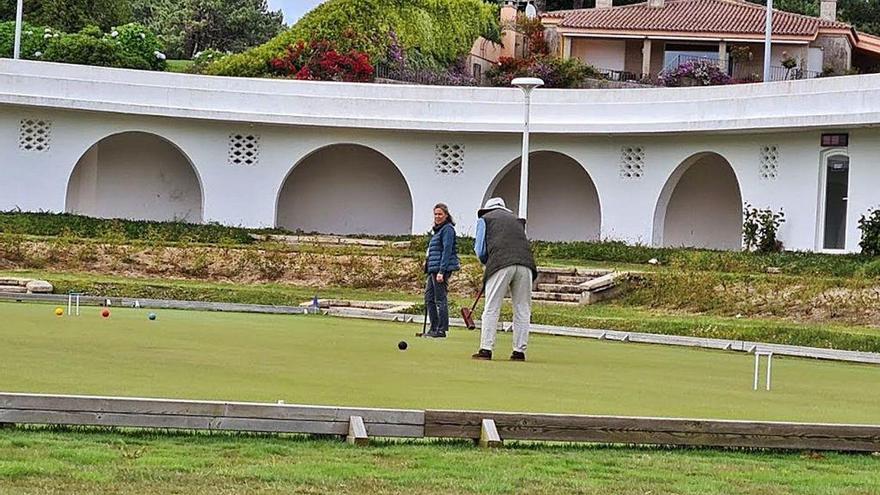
838	52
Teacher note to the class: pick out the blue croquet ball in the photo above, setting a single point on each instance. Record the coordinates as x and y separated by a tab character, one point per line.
152	316
402	345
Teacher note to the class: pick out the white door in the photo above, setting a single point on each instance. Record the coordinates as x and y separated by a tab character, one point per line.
836	191
815	59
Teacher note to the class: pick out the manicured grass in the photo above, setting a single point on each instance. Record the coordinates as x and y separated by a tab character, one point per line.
611	316
48	461
320	360
179	65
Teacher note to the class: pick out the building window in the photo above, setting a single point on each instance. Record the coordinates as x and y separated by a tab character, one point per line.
244	149
632	162
769	162
449	159
34	135
835	140
677	54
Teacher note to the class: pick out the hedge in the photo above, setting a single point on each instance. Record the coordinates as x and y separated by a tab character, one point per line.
442	30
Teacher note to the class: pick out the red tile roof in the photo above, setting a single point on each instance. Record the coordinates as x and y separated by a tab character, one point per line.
704	16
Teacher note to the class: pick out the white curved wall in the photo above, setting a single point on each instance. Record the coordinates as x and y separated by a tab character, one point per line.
408	123
563	202
705	207
136	176
346	189
789	105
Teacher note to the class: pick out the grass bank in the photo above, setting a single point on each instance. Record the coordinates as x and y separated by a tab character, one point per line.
62	461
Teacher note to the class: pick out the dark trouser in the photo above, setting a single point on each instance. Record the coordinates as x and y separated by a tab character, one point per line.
435	302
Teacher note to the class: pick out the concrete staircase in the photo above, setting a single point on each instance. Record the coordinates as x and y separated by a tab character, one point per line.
16	285
575	285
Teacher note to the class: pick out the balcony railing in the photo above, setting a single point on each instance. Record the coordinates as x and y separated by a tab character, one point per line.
748	71
425	77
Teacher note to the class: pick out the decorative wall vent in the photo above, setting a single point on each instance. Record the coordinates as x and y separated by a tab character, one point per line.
244	149
34	135
449	159
632	162
769	162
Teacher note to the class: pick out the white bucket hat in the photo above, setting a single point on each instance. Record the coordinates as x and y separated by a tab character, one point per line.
493	204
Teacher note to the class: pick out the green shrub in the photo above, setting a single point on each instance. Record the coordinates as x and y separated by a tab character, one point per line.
204	58
55	224
760	228
870	226
554	71
251	63
140	48
130	46
83	49
34	40
441	30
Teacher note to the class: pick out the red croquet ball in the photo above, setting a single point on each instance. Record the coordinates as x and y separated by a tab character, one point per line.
105	313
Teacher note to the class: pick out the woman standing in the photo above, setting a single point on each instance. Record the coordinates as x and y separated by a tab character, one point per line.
442	261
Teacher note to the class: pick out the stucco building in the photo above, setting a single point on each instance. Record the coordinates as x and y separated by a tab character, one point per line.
641	40
661	166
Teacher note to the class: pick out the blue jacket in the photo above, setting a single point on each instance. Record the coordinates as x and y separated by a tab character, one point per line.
442	252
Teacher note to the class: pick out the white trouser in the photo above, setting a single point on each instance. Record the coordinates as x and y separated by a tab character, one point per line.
518	280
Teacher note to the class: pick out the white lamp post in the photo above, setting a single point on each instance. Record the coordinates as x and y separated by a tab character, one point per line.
768	30
16	52
526	84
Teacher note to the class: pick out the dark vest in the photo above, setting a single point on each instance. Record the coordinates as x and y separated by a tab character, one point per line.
506	243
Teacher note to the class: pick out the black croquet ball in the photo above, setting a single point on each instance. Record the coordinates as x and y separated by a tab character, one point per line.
402	345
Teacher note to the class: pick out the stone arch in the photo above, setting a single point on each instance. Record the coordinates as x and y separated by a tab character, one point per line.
135	175
563	200
700	205
345	189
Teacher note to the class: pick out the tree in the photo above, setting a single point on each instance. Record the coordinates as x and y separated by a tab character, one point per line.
71	15
805	7
195	25
864	15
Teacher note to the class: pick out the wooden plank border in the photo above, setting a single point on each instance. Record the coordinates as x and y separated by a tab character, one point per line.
656	431
487	428
210	415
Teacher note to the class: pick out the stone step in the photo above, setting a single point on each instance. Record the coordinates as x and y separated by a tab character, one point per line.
13	289
572	279
557	271
559	303
561	288
13	281
593	272
555	296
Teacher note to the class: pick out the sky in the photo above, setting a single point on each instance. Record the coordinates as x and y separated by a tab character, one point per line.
293	9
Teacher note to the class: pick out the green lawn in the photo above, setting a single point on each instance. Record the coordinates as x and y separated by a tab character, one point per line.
611	315
320	360
179	65
47	461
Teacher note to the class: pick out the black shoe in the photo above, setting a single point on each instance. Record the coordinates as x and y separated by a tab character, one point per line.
483	354
518	356
436	335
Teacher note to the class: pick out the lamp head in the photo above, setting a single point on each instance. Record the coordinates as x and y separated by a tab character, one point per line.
527	84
